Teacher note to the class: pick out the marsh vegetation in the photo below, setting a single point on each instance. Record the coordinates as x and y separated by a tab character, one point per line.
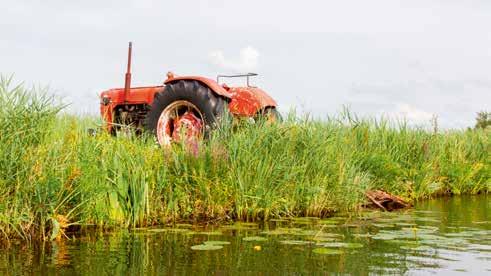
53	175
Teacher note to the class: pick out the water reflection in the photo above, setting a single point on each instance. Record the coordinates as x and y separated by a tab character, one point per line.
449	235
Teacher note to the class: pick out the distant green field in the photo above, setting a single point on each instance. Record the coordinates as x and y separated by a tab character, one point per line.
52	173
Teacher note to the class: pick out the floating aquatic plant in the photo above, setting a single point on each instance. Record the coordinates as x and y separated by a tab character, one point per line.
254	238
295	242
217	242
205	247
341	245
327	251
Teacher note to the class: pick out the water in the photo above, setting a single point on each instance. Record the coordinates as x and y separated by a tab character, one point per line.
444	236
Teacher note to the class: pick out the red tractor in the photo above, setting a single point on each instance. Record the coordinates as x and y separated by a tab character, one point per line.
183	107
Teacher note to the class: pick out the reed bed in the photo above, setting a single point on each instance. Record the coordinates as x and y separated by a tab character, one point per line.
54	175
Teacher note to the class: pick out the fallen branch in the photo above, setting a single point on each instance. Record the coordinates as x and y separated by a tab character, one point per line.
386	201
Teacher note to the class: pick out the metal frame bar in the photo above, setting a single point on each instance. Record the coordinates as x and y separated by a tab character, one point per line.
237	76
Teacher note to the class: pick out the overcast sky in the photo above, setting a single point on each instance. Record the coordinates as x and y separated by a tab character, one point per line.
411	58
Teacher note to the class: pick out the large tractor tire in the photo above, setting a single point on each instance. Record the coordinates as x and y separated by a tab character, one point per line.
185	110
269	115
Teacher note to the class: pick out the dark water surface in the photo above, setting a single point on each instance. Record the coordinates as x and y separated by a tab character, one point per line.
443	236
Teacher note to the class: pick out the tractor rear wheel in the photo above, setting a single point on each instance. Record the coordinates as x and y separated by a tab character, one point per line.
185	110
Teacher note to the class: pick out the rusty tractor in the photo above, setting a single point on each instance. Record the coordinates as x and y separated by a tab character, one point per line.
183	107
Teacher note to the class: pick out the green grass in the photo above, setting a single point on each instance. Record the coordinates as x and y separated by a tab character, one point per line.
52	173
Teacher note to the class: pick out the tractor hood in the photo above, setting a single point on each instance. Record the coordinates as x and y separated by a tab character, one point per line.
248	101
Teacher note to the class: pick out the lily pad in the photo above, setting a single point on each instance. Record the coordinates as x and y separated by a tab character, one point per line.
481	222
400	234
210	233
353	245
370	215
158	230
431	237
405	243
295	242
426	219
204	247
342	245
289	229
383	225
421	248
217	242
168	230
384	237
361	236
429	228
306	233
337	218
328	221
254	238
327	251
331	235
352	225
330	225
275	232
279	220
459	235
303	222
323	239
183	225
241	226
405	224
178	230
426	212
387	220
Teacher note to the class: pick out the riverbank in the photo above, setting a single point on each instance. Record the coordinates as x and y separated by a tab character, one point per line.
53	174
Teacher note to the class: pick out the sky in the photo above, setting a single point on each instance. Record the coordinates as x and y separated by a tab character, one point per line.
412	59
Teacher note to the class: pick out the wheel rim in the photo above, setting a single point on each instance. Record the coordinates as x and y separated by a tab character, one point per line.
181	120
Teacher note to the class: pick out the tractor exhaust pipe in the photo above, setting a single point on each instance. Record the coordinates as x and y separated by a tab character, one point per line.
127	79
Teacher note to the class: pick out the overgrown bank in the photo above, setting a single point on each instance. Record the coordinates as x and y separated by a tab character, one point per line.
52	173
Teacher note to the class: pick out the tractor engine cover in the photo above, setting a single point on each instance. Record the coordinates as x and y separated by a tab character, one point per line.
248	101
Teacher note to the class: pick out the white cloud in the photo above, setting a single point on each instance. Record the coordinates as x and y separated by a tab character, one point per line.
410	113
247	61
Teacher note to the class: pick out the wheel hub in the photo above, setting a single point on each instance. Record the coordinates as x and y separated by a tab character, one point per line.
180	121
187	126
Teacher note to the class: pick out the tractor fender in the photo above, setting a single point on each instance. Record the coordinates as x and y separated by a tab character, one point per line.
243	101
213	85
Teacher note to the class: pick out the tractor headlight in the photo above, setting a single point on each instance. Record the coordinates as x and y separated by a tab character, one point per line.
105	100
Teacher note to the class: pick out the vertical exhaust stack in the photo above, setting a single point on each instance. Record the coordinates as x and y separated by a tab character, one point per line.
127	80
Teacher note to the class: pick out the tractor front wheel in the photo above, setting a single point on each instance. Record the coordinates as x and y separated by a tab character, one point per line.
184	112
269	115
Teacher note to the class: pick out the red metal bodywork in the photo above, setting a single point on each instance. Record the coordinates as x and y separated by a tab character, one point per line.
113	98
248	101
